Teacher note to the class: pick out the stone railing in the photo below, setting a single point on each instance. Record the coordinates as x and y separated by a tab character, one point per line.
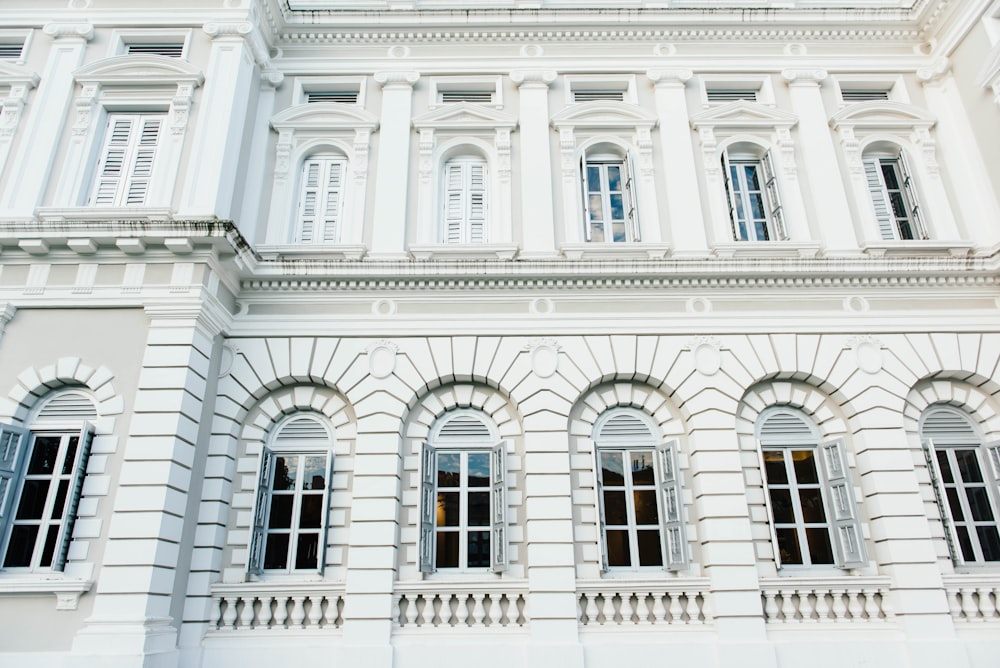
827	600
433	604
255	606
972	598
633	602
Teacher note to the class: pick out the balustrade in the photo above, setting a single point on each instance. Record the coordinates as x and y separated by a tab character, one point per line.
611	603
457	606
247	608
806	600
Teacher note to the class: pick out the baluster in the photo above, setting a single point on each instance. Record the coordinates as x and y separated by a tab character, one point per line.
490	617
839	607
985	608
590	613
676	611
411	610
523	610
969	607
617	605
805	604
246	617
854	605
632	603
659	610
280	612
459	609
871	605
954	603
397	610
442	611
298	611
229	617
770	607
645	608
691	607
821	605
503	607
264	615
217	611
479	608
787	606
315	611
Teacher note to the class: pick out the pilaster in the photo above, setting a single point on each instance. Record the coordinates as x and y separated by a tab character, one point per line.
537	210
270	81
390	213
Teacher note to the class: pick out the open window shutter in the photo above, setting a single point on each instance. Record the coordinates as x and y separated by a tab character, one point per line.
324	538
114	160
846	525
993	466
13	446
942	503
673	511
911	198
331	200
69	518
880	199
599	493
631	199
731	197
454	206
586	199
773	197
477	202
428	507
767	504
309	200
255	560
141	170
498	558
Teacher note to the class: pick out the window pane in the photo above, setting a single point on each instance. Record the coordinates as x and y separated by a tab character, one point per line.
645	507
618	232
311	515
597	232
898	205
614	177
788	546
479	469
276	553
820	550
642	468
614	508
751	173
965	542
812	505
50	546
447	549
479	549
954	505
593	178
32	503
889	174
284	473
67	466
649	548
989	541
757	206
307	554
60	504
944	465
314	474
968	466
21	546
449	469
281	512
596	207
979	504
479	509
805	466
43	455
774	467
447	509
612	472
617	207
618	551
781	506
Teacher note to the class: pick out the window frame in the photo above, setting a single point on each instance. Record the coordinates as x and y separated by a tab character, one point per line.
630	222
881	196
770	193
138	159
462	229
322	222
121	39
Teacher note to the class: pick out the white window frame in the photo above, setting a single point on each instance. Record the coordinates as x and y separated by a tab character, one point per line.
890	220
987	458
602	161
437	87
624	431
761	85
15	36
302	434
893	86
783	429
320	209
127	161
120	39
576	83
740	196
465	200
303	86
463	431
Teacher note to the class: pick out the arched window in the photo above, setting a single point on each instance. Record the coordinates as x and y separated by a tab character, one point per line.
293	498
464	215
639	489
893	194
321	200
813	514
754	198
41	477
966	477
463	513
609	201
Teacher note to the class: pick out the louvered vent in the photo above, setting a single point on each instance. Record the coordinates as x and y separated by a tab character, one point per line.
942	423
731	94
863	95
168	49
304	428
476	96
598	95
68	406
624	426
338	96
783	424
464	427
11	51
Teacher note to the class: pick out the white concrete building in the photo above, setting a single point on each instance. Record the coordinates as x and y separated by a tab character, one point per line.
400	333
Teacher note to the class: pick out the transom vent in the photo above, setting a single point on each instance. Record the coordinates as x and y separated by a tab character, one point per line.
11	50
941	423
731	94
598	96
785	424
624	425
304	428
474	96
68	406
464	427
861	95
339	96
168	49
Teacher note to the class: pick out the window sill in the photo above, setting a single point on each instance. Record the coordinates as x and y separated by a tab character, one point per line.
105	213
464	252
918	248
767	249
614	250
311	252
67	591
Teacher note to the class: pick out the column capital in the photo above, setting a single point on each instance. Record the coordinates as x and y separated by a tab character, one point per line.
69	31
935	72
236	28
7	312
805	76
272	78
400	79
670	77
533	78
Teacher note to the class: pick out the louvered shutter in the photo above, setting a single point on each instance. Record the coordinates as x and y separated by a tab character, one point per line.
993	468
324	537
308	200
602	540
428	507
255	560
910	189
673	510
843	511
731	195
498	558
631	199
113	158
934	470
775	211
141	171
880	199
331	200
586	195
320	200
453	204
13	446
69	518
477	202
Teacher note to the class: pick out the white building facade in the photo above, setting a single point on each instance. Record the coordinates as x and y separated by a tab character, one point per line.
401	333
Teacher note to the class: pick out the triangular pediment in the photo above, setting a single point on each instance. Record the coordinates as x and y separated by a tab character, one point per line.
882	114
742	113
135	70
16	74
320	115
464	115
603	115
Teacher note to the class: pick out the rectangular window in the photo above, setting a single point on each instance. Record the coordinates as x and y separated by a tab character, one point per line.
125	170
609	199
168	49
465	201
754	201
338	96
723	95
894	198
320	200
41	477
11	50
864	94
598	95
475	96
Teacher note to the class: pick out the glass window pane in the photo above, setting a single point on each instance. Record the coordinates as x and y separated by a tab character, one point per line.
954	504
479	549
60	505
307	552
820	550
898	205
760	229
50	546
311	514
276	552
314	474
618	550
479	509
285	469
989	541
614	178
21	545
781	506
753	183
774	467
43	455
649	548
447	509
965	542
596	207
812	505
615	512
804	462
788	546
593	178
597	232
281	512
32	503
618	232
449	466
447	549
757	206
479	469
945	466
67	466
646	511
642	468
612	472
889	174
617	207
968	466
979	504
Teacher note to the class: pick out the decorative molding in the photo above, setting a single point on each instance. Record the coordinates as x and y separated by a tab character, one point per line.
804	76
69	31
67	591
935	73
670	77
867	352
533	78
382	358
400	79
707	354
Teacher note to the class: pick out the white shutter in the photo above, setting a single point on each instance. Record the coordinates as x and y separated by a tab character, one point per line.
477	202
993	467
586	195
69	517
320	200
114	156
916	217
843	512
126	166
631	199
602	539
775	212
428	508
331	200
943	508
673	510
880	199
13	446
731	196
255	560
498	557
453	203
141	172
324	538
465	202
